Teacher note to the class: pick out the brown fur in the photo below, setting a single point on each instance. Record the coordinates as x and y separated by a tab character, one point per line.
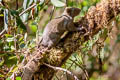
56	27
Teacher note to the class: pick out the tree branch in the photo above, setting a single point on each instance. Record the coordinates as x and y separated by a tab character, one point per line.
96	18
61	69
27	9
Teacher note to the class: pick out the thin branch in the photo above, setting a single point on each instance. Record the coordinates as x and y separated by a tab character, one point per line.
52	12
10	52
57	77
61	69
4	4
27	9
66	2
69	69
2	32
84	70
31	8
16	4
101	43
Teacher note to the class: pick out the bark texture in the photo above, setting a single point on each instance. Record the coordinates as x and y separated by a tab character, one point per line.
96	18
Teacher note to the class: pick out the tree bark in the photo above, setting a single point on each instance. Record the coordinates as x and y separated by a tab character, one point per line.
96	18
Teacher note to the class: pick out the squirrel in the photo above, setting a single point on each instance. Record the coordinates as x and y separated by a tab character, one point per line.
57	26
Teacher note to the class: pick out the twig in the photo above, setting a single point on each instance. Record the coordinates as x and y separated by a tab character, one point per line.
69	69
16	4
61	69
30	8
57	77
10	52
84	70
15	43
2	32
66	2
45	4
51	14
4	4
27	9
99	57
100	43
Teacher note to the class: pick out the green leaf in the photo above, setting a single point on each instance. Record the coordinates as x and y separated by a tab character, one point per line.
85	8
105	67
10	39
18	19
14	13
1	75
18	78
30	2
21	58
8	79
72	3
33	27
6	19
41	2
2	54
25	16
85	3
27	3
21	39
10	60
1	63
13	57
14	69
118	38
20	23
1	15
57	3
1	43
75	54
8	35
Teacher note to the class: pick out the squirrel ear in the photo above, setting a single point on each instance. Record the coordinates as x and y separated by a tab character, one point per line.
68	9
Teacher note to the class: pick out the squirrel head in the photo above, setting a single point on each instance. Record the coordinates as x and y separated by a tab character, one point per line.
72	11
